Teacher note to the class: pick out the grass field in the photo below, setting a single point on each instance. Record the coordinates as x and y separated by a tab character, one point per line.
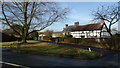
35	47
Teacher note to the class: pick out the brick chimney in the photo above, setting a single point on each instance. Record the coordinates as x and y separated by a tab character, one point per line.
66	25
76	24
101	20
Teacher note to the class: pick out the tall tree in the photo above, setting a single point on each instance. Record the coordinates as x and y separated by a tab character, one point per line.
31	16
109	13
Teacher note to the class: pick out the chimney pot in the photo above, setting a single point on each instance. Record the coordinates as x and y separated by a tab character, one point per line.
101	20
76	24
66	25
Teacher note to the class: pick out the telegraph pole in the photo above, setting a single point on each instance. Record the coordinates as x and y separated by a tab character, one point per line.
119	17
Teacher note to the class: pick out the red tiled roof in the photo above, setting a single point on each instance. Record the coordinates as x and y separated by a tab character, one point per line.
17	36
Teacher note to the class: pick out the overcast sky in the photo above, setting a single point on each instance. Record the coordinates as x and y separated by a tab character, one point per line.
79	12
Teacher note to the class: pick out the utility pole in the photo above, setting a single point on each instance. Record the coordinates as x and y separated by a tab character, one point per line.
119	17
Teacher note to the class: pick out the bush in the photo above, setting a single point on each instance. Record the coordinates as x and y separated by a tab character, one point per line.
70	40
68	36
33	36
113	43
61	39
80	40
46	38
88	41
7	38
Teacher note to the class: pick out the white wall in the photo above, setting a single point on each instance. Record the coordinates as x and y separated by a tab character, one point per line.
104	32
78	34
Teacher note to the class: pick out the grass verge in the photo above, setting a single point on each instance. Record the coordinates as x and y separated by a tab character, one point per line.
35	47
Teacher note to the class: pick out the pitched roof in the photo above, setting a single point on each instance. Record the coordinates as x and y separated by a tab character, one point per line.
69	28
89	27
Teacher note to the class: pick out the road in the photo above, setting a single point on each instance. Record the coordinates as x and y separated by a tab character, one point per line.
30	60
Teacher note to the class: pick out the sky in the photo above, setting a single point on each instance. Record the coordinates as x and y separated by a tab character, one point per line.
79	12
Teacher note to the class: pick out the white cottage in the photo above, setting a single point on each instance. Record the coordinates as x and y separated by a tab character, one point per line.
97	30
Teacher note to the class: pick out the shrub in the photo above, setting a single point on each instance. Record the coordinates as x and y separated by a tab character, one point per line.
84	41
68	36
46	38
33	36
80	40
70	40
7	38
61	39
113	43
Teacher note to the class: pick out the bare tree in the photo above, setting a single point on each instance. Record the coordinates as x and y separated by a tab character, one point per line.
109	13
48	33
31	16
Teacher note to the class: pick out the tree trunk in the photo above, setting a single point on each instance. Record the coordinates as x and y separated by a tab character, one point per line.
110	33
110	29
24	40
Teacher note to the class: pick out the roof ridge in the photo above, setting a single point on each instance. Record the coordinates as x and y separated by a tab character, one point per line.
90	24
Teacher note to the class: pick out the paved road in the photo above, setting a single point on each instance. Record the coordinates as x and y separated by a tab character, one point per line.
40	60
29	60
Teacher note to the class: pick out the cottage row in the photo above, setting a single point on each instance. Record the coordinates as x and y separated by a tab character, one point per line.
97	30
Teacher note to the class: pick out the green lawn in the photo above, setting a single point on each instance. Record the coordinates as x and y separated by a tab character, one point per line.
35	47
16	42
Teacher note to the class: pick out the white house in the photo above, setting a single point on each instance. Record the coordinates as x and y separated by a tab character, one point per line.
97	30
41	35
57	34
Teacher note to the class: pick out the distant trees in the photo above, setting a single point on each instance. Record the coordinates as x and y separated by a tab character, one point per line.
48	33
110	14
11	31
29	17
8	31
